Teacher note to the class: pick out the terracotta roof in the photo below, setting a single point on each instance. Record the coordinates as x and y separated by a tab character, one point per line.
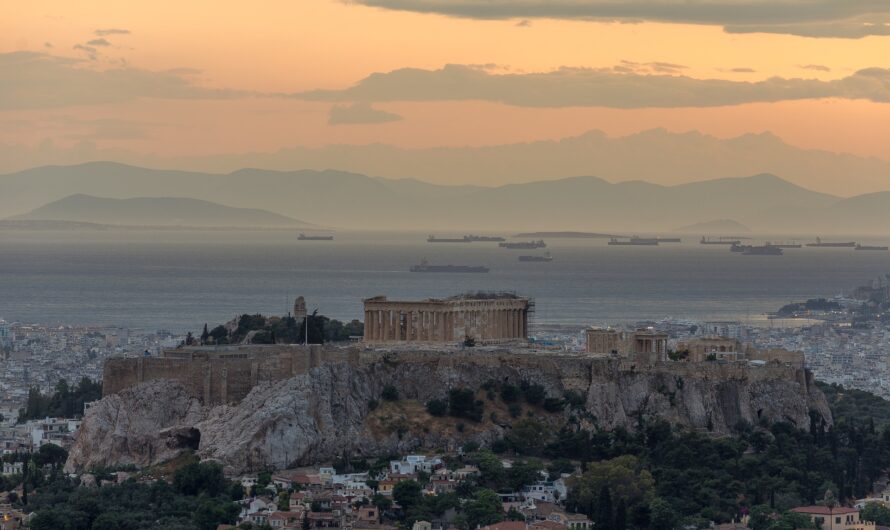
551	525
824	510
507	525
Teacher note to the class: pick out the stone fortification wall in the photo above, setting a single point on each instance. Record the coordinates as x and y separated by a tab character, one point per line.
218	375
227	374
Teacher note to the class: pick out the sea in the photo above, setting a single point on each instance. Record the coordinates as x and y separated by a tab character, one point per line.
178	280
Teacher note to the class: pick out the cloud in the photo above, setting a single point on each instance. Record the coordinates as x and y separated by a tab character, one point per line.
359	113
631	67
816	67
809	18
524	23
743	70
618	87
111	31
46	81
90	52
99	42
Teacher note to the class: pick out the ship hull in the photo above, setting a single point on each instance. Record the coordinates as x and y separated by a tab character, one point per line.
449	269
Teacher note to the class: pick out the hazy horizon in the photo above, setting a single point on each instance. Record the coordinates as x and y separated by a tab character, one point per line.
530	91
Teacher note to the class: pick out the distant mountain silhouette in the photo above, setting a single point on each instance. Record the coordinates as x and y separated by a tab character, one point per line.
764	202
657	155
160	211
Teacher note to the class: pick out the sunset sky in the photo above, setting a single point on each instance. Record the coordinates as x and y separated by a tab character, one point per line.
209	77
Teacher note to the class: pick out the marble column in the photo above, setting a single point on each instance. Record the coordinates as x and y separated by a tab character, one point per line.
440	322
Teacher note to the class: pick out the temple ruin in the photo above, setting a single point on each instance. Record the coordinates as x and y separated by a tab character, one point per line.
483	318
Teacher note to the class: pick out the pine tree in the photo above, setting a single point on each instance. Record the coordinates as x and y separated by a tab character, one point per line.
604	509
621	516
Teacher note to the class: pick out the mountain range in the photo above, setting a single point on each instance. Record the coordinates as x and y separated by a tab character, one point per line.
657	156
155	211
765	203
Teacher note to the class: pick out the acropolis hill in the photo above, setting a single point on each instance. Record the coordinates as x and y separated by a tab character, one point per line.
261	407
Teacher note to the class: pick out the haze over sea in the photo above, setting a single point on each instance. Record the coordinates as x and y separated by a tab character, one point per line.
178	280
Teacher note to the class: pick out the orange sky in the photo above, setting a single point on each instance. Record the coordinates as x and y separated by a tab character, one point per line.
292	46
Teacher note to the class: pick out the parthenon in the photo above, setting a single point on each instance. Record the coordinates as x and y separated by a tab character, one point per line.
484	318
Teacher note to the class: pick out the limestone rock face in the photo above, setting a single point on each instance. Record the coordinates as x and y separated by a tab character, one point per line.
326	413
142	425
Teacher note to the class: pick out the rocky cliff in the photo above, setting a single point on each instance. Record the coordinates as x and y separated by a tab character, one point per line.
336	408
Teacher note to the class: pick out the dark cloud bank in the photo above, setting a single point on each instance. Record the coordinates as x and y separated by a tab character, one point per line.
809	18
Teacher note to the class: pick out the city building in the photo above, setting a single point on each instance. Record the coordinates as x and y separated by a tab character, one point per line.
483	318
836	518
723	328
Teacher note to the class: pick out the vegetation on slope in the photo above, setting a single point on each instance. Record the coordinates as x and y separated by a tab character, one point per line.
654	477
66	402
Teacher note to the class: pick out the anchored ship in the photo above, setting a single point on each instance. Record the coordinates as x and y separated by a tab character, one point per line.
484	239
720	241
763	250
426	267
870	247
635	241
829	244
304	237
791	244
524	245
545	257
434	239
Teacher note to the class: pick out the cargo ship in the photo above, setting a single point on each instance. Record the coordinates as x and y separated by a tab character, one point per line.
829	244
870	247
763	250
736	247
786	245
669	239
524	245
426	267
484	239
719	241
545	257
434	239
304	237
635	241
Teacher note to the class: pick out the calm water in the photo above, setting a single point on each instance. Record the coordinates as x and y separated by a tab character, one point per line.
180	280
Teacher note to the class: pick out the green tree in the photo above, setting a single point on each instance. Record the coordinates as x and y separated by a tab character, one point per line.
876	513
663	515
437	407
624	477
604	515
485	508
462	403
390	393
621	515
523	473
529	437
408	493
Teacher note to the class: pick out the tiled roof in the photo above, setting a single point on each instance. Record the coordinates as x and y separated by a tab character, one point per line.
825	510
